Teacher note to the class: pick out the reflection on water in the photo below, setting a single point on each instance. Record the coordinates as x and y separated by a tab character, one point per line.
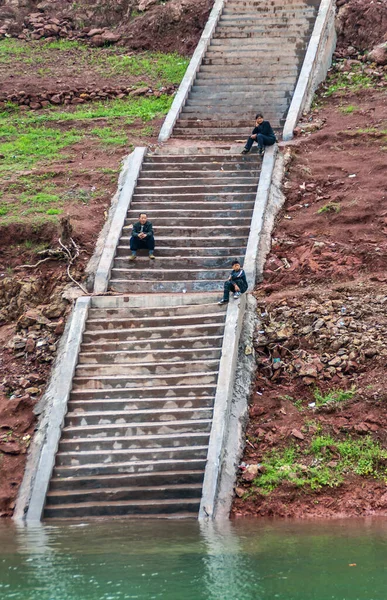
249	560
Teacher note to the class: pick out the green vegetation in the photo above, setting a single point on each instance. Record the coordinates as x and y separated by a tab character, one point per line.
348	110
155	68
164	68
325	463
333	397
330	207
354	80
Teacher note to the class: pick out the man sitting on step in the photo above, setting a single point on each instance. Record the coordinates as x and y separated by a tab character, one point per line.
262	133
142	237
236	283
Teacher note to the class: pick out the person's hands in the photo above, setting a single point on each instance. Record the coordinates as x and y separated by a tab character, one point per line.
254	137
141	236
236	288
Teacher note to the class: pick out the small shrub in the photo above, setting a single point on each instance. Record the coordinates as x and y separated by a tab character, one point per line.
330	207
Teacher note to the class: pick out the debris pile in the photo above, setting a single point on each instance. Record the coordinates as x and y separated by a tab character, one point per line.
321	340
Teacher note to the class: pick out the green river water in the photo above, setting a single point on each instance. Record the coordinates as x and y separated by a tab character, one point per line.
245	560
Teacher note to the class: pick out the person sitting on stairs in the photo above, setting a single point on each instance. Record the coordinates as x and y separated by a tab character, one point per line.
262	133
236	283
142	237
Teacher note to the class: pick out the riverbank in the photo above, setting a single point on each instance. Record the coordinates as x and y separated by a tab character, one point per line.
316	443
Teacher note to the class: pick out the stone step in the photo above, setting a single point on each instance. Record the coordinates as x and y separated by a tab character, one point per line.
189	342
198	240
147	368
124	382
188	200
201	189
134	442
217	212
138	312
189	223
211	231
140	466
184	182
196	390
118	494
131	455
170	169
173	275
98	324
124	286
201	263
144	404
184	253
124	508
144	428
193	159
133	417
139	480
135	334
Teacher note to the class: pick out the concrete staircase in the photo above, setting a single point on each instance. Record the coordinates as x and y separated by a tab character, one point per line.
201	207
136	434
252	64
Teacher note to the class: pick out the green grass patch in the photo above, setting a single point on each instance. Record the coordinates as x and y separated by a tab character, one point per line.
163	68
354	80
348	110
333	397
145	109
24	148
109	137
330	207
325	463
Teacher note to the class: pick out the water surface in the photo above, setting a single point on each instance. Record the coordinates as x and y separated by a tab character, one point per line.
246	560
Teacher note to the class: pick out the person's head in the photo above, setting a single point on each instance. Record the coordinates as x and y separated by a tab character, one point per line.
236	265
143	217
259	118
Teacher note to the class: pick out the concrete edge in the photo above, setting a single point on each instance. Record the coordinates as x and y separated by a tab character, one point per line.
219	438
222	403
41	460
261	199
130	177
317	61
190	74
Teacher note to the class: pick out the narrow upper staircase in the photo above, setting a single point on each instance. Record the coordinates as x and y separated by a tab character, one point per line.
252	65
136	435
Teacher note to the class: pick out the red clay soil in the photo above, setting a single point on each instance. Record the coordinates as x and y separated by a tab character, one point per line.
320	262
361	23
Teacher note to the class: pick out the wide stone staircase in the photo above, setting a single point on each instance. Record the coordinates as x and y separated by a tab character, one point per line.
252	65
136	435
201	208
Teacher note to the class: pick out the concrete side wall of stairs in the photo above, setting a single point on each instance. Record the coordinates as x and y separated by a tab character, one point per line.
144	425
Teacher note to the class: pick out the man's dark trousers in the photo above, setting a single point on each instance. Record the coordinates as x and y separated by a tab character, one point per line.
262	140
229	286
147	243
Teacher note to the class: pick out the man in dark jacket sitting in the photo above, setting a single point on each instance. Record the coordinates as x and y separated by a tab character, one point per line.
236	283
263	134
142	237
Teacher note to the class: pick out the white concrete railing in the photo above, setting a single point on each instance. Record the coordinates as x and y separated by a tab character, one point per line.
317	61
130	177
190	74
41	460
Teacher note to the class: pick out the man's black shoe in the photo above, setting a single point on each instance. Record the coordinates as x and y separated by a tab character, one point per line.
245	151
223	302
